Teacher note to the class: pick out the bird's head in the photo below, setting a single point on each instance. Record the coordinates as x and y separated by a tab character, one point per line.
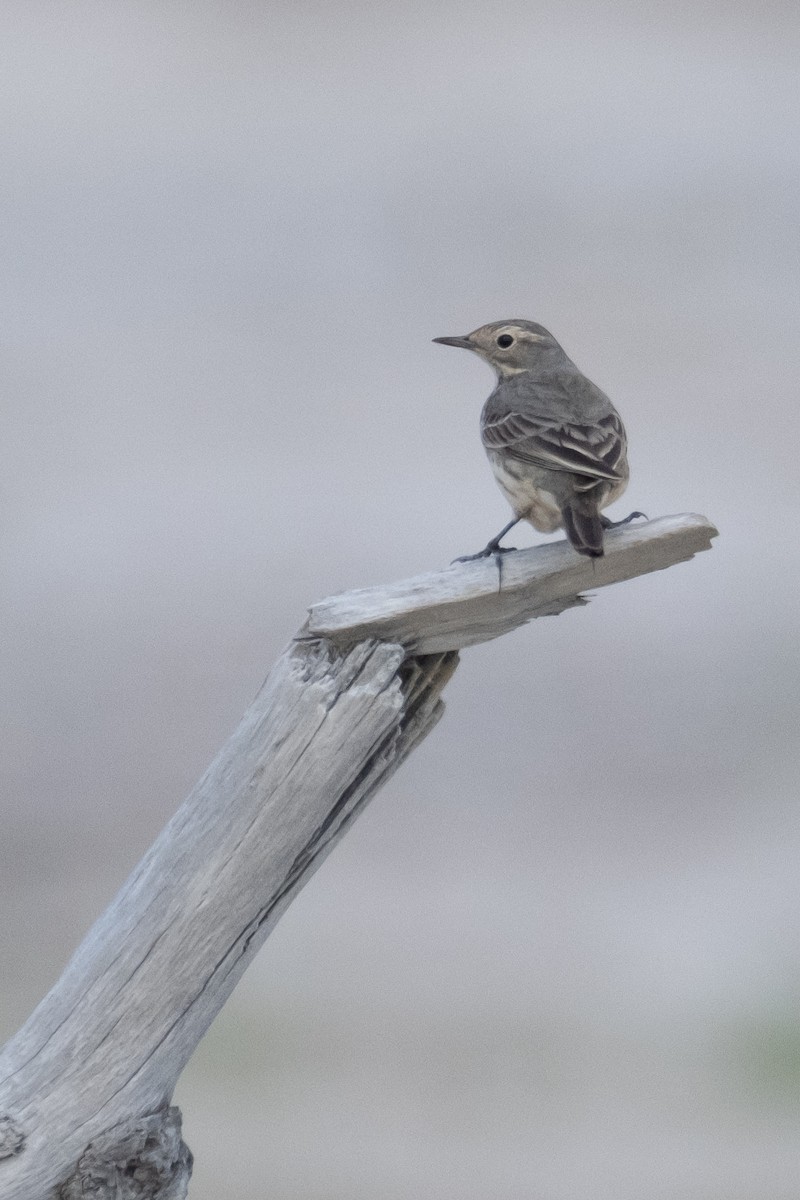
510	347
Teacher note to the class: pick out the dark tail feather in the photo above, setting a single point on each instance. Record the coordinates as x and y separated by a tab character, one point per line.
583	526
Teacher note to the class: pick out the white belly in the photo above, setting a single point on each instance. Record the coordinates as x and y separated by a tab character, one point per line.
528	500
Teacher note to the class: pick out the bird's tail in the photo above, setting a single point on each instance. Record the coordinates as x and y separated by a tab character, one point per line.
583	525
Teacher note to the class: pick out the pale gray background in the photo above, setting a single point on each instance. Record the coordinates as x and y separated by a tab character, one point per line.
559	957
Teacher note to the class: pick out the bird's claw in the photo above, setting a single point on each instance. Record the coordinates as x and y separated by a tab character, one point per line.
625	520
487	552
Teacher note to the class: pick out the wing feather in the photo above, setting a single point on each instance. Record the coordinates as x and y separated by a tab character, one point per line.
596	450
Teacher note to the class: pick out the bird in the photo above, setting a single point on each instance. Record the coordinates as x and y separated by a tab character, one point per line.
555	442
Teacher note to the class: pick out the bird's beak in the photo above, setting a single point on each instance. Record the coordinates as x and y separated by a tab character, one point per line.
463	343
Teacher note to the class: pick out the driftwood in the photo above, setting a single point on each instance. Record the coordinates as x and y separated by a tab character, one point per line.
85	1086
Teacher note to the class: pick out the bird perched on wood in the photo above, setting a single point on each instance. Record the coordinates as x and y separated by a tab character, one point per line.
555	441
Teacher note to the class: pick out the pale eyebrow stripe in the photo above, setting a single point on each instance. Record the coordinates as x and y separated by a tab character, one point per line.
529	336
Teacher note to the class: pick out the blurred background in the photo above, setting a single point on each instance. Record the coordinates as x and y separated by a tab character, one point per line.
558	957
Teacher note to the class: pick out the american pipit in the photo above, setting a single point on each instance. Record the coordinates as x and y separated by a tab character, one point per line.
555	441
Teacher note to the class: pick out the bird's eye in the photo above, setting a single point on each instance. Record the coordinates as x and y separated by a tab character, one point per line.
505	340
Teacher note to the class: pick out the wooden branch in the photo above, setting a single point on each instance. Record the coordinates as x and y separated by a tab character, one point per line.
477	601
85	1085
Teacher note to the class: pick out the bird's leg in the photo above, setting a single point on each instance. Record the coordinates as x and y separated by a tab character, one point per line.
607	524
492	547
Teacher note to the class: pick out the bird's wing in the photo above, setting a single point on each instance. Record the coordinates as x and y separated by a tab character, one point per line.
596	449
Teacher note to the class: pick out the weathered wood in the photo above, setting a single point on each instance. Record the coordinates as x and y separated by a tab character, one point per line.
473	602
146	1157
85	1085
108	1043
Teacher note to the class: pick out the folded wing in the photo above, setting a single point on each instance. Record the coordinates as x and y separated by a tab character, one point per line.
596	451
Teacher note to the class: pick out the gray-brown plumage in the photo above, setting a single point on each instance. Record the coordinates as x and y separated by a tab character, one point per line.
555	442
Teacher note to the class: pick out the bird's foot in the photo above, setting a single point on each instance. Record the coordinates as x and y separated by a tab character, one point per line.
486	552
608	524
